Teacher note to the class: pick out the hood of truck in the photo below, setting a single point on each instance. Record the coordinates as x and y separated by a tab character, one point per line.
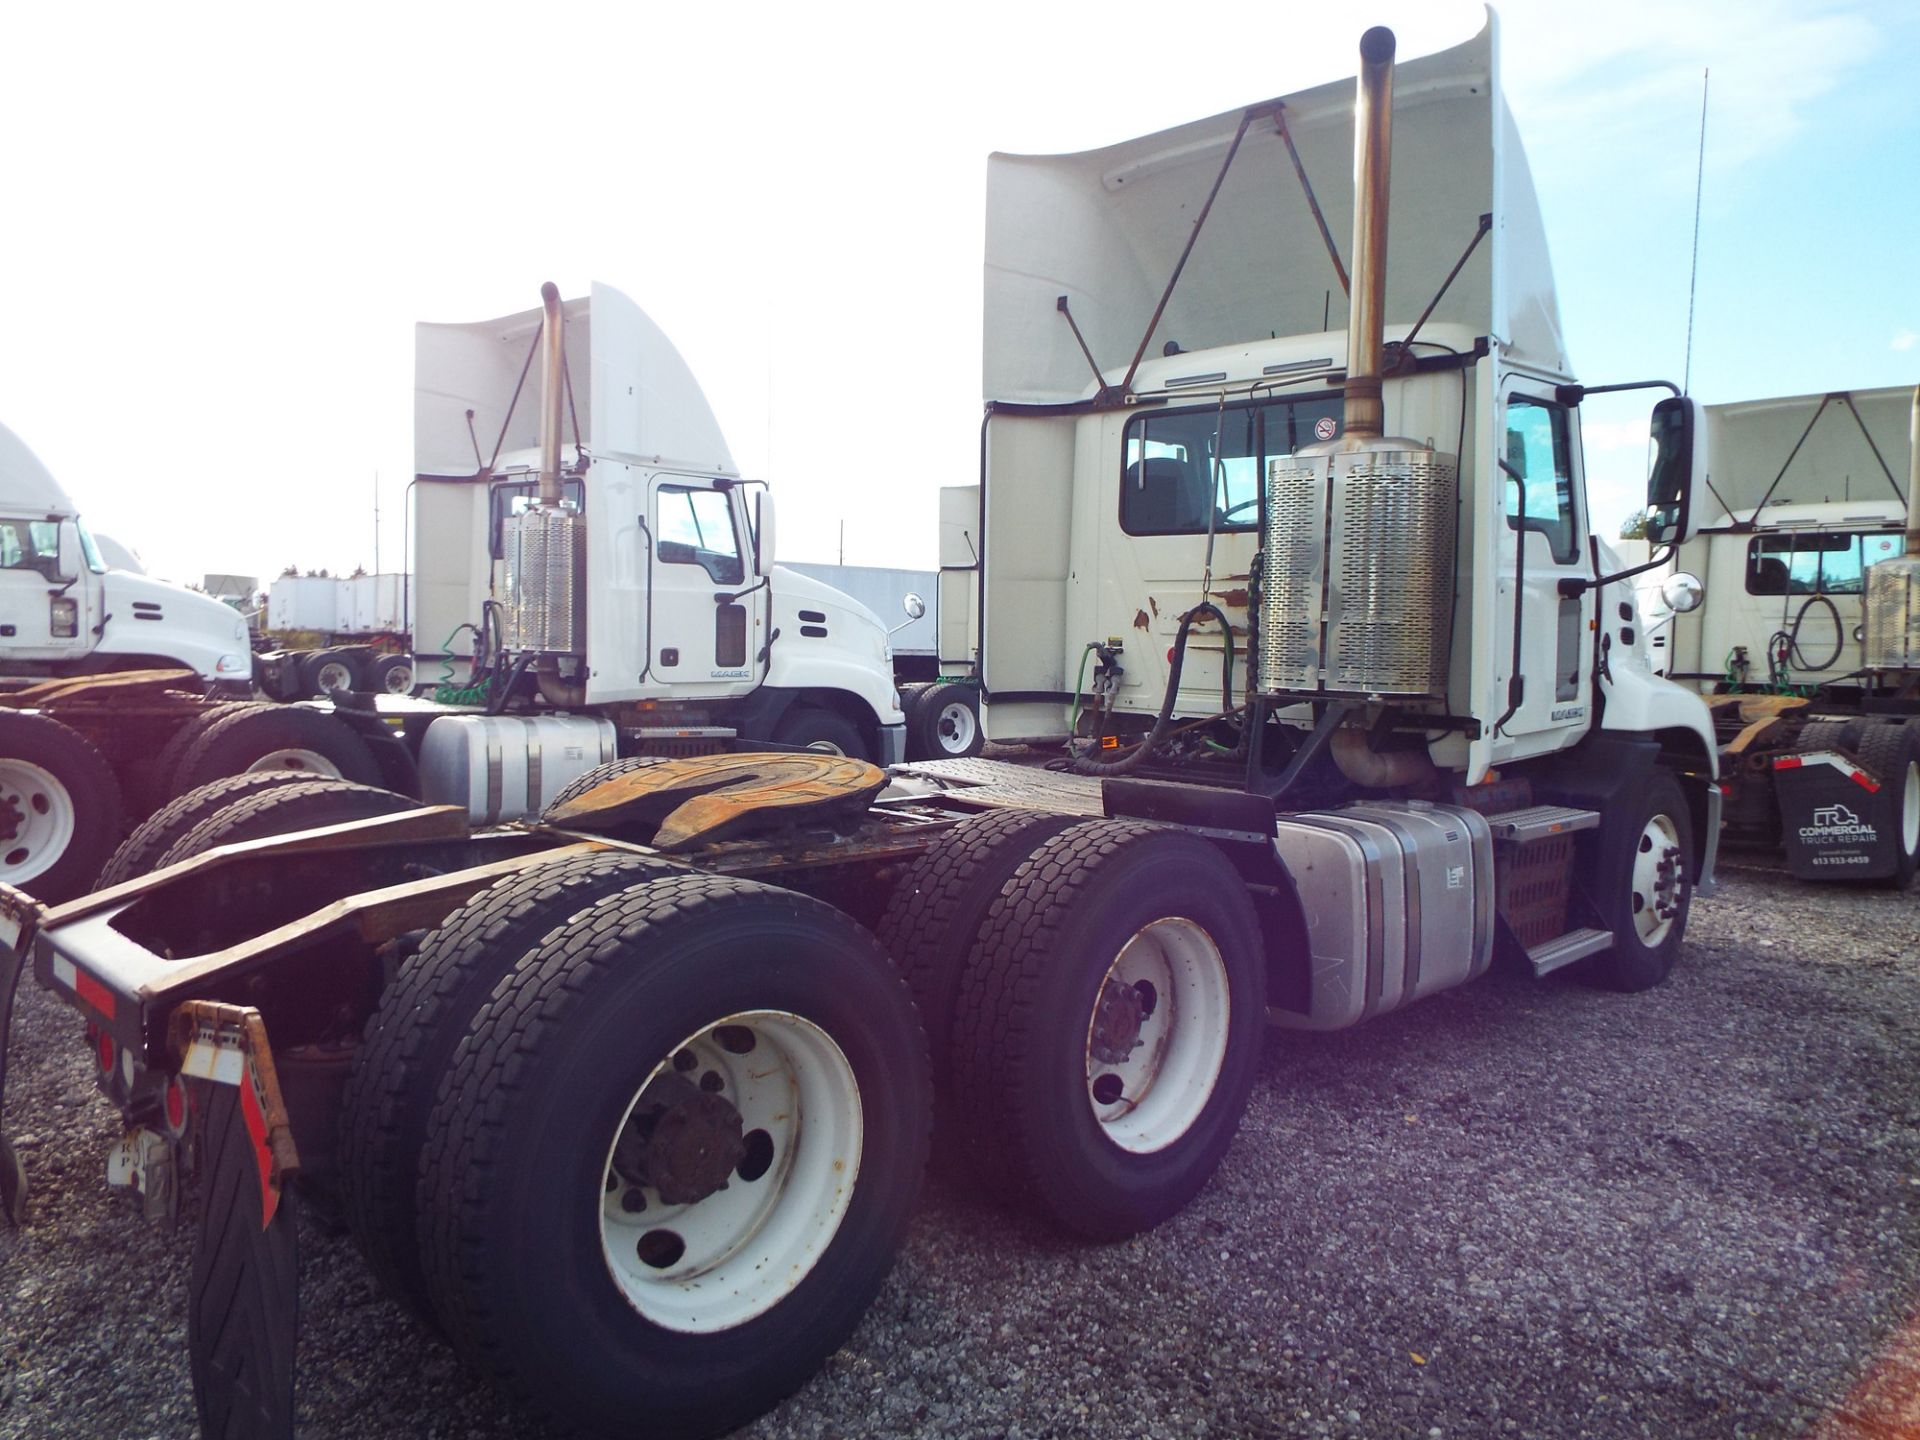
852	654
27	487
148	617
635	399
1105	229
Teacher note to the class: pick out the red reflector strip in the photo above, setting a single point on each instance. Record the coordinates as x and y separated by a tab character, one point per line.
93	992
1860	777
1788	762
256	1122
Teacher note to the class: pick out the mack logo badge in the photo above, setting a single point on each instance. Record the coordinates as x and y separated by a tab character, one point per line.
1570	712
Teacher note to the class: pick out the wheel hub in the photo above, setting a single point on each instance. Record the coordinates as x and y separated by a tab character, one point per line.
12	818
1117	1020
681	1140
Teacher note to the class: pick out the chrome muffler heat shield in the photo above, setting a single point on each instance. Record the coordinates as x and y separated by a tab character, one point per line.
1893	614
1357	587
545	601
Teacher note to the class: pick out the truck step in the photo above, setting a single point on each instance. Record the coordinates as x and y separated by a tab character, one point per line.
1536	822
1564	949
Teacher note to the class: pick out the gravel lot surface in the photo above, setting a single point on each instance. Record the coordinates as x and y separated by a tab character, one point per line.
1518	1208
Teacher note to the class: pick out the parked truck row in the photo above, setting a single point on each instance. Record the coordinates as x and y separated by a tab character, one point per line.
622	1067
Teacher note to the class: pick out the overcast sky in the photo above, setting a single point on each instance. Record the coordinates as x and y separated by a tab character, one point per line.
222	222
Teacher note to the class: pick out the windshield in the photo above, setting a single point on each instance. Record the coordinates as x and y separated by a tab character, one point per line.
87	548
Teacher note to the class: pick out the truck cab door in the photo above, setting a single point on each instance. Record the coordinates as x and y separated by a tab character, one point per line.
1545	511
706	608
45	610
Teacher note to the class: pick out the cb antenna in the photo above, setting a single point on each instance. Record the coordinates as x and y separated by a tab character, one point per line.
1693	280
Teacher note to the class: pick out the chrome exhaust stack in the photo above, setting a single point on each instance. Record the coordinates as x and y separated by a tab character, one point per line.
1357	545
545	546
1893	586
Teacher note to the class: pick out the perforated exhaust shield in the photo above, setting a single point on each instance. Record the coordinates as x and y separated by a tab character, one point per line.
1893	614
1357	594
545	601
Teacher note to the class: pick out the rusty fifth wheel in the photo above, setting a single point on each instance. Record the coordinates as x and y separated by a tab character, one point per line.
1108	1024
672	1159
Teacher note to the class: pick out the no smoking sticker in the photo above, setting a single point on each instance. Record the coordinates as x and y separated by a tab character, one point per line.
1323	428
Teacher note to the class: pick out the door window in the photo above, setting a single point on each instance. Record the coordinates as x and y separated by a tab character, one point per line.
696	528
1822	563
1179	466
1540	449
30	545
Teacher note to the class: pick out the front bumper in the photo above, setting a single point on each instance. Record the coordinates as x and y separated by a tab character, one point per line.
893	745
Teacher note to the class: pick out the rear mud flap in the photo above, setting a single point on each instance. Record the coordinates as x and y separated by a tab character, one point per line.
243	1304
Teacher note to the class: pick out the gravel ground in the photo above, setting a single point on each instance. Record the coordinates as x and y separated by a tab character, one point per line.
1519	1208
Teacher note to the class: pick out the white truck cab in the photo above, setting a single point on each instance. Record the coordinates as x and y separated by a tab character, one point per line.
650	597
64	611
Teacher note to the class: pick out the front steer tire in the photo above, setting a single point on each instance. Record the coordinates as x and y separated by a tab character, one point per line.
520	1164
1073	917
1629	887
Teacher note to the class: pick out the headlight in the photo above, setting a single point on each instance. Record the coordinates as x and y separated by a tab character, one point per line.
233	665
63	619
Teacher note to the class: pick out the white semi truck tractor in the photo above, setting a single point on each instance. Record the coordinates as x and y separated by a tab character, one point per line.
1809	515
632	1097
596	554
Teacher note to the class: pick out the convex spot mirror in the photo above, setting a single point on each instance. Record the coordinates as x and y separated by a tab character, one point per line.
1676	469
913	605
1682	593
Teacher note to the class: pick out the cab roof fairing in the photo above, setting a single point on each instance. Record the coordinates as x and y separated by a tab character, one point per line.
636	398
1105	228
1750	441
27	487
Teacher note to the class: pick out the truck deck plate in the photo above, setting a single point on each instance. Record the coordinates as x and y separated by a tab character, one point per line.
1002	785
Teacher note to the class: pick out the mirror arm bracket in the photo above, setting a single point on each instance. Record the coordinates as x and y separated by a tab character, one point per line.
1573	587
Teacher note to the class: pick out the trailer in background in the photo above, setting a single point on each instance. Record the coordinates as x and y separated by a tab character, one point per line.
356	631
1820	755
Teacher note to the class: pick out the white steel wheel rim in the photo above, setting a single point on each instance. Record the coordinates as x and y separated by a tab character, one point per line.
334	675
1659	872
1910	809
399	680
745	1247
43	816
956	727
1155	1095
306	762
826	747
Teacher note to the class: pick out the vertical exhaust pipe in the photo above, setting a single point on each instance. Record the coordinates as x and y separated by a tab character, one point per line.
1372	151
553	340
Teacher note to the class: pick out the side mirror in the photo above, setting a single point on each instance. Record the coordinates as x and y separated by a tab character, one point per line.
68	561
913	605
1682	593
763	551
1678	467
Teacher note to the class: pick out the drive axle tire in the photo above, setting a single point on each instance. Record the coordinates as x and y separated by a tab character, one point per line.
139	854
1644	886
325	671
284	810
619	1216
1108	1026
156	787
277	737
815	727
1891	754
937	908
946	722
60	811
390	675
421	1018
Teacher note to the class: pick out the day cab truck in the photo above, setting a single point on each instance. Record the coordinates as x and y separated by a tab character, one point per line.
693	639
1814	692
632	1097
